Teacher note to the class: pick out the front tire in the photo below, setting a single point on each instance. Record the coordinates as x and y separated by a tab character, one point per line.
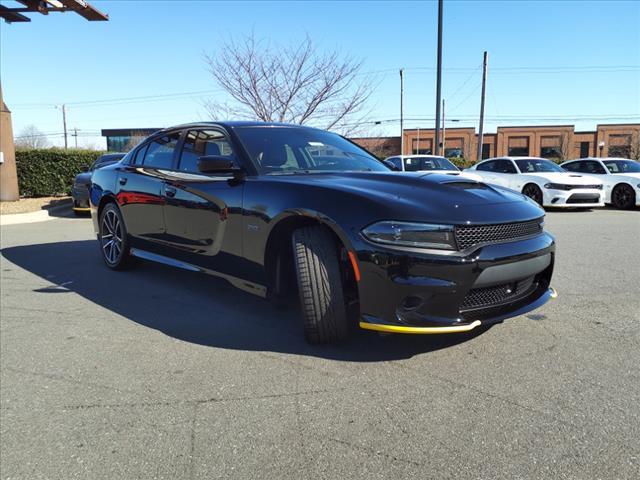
317	266
532	191
114	244
623	196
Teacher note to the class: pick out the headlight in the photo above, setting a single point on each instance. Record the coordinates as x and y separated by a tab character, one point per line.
420	235
557	186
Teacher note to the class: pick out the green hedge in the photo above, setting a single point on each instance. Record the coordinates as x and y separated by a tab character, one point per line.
50	172
462	163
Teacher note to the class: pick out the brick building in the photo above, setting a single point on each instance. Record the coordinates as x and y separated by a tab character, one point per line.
548	141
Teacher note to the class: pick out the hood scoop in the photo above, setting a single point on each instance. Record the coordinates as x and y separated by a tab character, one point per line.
465	185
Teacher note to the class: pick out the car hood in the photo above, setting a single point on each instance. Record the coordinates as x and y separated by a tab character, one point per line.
425	196
565	178
83	178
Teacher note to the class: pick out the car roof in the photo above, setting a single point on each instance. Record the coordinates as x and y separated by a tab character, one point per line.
419	156
513	158
229	125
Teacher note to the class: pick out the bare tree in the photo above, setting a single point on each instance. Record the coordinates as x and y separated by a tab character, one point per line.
565	149
294	85
634	148
31	137
135	139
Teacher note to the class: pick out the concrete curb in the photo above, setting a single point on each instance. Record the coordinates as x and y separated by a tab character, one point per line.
33	217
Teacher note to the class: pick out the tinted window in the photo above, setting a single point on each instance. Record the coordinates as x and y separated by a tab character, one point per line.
198	143
623	166
415	164
159	153
138	156
592	167
285	150
504	166
537	165
487	166
574	166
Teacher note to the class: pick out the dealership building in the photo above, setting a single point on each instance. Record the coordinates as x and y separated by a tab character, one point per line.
547	141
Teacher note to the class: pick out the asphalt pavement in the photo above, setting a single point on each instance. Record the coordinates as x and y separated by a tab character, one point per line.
157	373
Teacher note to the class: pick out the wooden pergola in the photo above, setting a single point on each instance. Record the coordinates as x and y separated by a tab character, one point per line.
8	176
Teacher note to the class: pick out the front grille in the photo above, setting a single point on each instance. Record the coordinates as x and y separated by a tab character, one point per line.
583	198
469	235
597	187
490	296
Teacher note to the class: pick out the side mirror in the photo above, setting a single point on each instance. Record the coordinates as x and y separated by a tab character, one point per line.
84	168
216	164
391	165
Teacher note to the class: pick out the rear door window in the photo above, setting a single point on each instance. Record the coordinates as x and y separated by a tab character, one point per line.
159	153
487	166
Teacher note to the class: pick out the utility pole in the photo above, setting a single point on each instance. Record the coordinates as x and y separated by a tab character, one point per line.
64	124
402	111
484	92
444	131
75	134
439	78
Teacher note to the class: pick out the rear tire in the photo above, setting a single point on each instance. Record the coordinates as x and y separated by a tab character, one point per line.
623	196
317	266
112	238
533	192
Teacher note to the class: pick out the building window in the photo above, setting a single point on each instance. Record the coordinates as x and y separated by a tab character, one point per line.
421	147
518	146
486	150
584	149
453	152
550	148
620	146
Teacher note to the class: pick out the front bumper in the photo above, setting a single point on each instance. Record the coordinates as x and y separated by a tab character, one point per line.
432	293
576	198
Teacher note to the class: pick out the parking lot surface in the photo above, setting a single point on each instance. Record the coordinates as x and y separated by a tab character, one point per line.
160	373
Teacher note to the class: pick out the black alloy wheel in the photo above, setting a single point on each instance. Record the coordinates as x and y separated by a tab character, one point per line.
113	238
623	196
533	192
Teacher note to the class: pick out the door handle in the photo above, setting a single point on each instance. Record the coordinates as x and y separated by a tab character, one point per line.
123	180
169	191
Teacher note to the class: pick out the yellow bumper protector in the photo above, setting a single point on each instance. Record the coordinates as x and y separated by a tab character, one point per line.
419	330
82	209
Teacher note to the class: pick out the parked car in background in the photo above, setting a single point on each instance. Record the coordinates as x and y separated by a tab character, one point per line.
427	163
280	210
542	180
621	178
82	182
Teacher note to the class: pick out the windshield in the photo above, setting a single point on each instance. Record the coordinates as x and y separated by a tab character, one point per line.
416	164
289	150
538	165
622	166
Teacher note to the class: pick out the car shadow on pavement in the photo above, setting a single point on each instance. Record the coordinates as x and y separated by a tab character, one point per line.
201	309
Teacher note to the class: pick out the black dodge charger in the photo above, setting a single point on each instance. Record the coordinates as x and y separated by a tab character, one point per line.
278	209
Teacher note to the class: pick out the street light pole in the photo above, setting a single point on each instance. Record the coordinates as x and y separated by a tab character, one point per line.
64	124
444	131
402	111
484	93
439	78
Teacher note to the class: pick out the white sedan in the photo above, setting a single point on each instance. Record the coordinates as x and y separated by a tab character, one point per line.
542	180
621	178
427	163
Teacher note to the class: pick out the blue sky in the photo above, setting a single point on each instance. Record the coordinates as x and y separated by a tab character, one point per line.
544	60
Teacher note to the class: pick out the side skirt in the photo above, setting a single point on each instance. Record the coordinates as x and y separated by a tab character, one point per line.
254	288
